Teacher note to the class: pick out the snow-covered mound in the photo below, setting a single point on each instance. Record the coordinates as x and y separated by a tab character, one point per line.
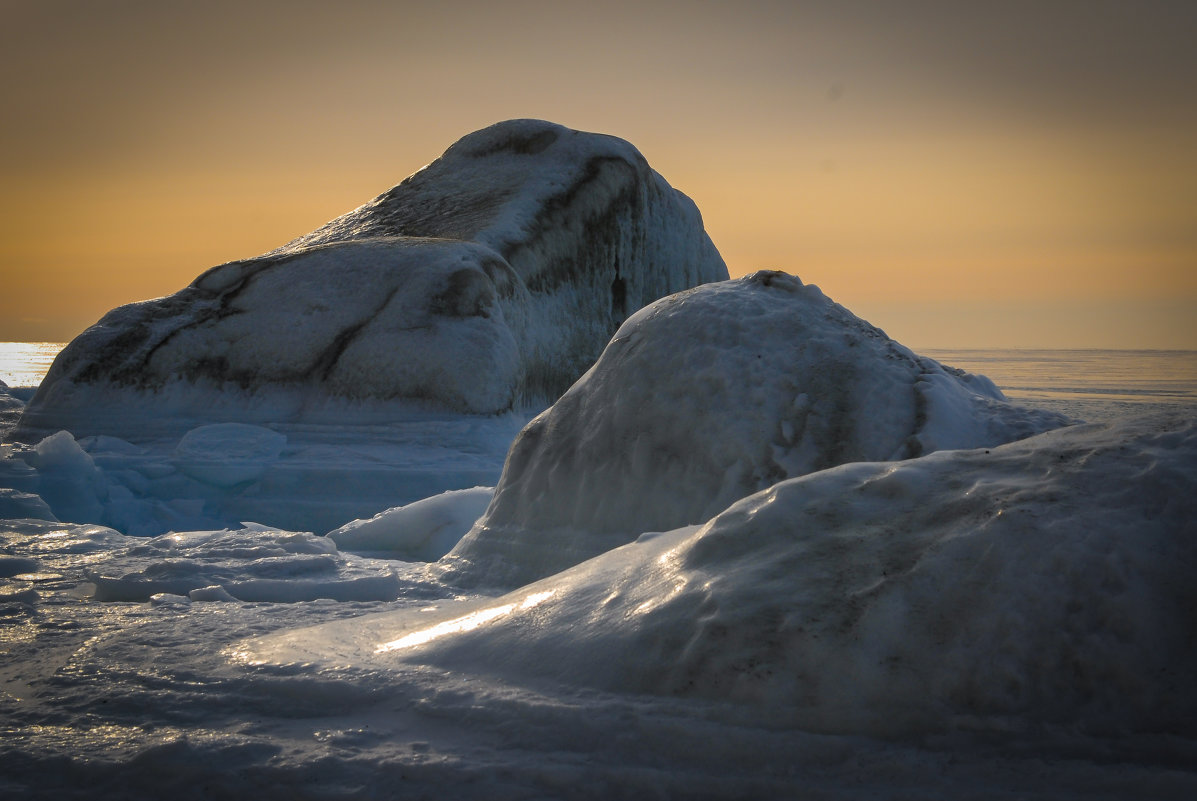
490	278
1047	581
705	397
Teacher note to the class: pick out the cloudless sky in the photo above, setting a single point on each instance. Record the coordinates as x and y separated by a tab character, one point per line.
1014	174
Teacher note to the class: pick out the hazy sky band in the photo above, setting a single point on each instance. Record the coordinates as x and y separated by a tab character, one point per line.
1018	174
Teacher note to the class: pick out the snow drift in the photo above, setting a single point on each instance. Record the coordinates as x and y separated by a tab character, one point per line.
490	278
705	397
1045	582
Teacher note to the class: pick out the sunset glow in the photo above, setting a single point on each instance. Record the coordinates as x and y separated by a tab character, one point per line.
1008	177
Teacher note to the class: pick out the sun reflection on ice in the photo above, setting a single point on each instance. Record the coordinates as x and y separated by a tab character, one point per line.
463	623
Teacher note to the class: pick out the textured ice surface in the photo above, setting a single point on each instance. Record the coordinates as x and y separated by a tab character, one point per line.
1017	623
488	280
1041	583
250	564
707	396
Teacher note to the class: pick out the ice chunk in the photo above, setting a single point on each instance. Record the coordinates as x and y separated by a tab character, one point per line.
424	530
16	504
10	410
488	280
165	599
213	593
15	565
705	397
68	480
228	454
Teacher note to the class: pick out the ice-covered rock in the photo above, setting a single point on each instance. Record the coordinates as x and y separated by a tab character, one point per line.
707	396
491	278
1042	582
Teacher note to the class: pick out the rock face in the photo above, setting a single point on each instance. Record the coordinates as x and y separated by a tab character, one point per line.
705	397
491	278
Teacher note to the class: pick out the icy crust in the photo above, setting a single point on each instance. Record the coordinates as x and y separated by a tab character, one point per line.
251	564
489	279
1044	582
705	397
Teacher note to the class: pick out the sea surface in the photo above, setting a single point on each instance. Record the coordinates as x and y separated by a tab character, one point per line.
24	364
1092	385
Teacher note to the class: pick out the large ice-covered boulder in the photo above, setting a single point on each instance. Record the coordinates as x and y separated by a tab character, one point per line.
491	278
707	396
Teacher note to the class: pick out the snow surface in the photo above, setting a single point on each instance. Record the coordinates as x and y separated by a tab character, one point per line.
487	281
707	396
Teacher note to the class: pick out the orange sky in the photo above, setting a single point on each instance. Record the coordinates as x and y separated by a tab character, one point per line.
962	177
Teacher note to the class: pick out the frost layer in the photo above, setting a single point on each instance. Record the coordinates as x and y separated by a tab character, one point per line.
1047	581
707	396
490	278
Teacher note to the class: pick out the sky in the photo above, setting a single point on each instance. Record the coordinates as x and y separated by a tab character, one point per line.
1015	174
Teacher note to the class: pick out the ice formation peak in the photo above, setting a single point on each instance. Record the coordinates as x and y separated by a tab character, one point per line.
774	381
488	279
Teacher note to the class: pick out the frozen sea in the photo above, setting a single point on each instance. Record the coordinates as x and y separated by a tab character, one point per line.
268	663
